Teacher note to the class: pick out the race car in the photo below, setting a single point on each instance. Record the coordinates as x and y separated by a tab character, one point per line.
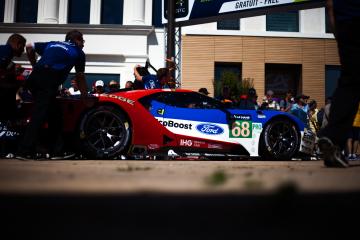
176	123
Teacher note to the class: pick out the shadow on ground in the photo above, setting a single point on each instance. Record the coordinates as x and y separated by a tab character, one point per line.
285	214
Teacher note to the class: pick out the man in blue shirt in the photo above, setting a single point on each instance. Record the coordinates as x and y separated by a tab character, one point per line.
151	81
14	48
57	59
345	18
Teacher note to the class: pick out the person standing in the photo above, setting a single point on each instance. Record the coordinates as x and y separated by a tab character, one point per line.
74	89
57	59
151	81
345	18
14	48
286	103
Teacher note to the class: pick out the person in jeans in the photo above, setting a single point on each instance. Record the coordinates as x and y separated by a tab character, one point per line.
57	59
345	18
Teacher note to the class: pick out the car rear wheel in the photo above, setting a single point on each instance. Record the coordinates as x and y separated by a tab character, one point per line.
105	133
280	140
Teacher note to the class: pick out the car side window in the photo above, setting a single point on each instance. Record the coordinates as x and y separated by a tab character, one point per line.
191	100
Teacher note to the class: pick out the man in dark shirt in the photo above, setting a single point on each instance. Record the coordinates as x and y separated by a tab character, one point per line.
151	81
14	48
345	18
57	59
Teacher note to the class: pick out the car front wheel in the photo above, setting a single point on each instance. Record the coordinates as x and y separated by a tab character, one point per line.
104	132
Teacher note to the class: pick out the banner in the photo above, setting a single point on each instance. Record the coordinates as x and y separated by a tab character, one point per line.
188	12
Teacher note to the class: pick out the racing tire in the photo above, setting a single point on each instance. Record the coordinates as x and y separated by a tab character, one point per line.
105	133
280	140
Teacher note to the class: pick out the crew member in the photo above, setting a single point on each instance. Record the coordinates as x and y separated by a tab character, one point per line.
8	87
57	59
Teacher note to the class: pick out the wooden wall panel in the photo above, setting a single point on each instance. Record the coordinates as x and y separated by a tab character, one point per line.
283	50
254	62
198	62
228	49
313	69
331	52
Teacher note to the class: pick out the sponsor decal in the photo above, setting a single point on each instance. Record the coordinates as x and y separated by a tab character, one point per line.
160	111
173	124
215	146
199	144
186	142
257	126
6	133
241	129
210	129
153	146
242	117
123	99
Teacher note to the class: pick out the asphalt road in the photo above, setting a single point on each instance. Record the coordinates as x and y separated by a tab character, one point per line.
95	199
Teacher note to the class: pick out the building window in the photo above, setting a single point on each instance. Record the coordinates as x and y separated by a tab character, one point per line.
228	24
283	77
156	14
283	22
26	11
112	11
227	80
79	11
332	74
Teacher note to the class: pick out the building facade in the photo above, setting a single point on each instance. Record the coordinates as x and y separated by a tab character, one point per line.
118	33
293	50
281	51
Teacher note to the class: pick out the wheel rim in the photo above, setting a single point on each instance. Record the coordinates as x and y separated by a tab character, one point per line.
282	139
106	132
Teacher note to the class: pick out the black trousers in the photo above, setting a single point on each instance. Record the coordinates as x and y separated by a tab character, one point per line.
347	94
7	103
44	84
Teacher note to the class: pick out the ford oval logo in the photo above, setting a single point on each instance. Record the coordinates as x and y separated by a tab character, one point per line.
210	129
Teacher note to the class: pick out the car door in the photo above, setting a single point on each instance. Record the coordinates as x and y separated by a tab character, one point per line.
195	115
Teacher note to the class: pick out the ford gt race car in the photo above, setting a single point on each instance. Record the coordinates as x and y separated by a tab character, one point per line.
173	123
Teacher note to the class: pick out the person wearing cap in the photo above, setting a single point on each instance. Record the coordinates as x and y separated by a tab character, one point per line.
99	87
49	72
204	91
249	101
113	86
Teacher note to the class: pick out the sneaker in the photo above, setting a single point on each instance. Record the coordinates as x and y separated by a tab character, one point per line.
331	154
25	157
62	156
352	157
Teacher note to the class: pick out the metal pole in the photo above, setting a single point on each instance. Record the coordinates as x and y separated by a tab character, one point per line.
170	51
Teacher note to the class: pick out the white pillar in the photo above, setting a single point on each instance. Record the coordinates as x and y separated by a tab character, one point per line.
95	11
9	13
63	11
48	11
137	12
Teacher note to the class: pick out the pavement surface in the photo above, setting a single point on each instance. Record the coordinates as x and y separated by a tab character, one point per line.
95	199
109	177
